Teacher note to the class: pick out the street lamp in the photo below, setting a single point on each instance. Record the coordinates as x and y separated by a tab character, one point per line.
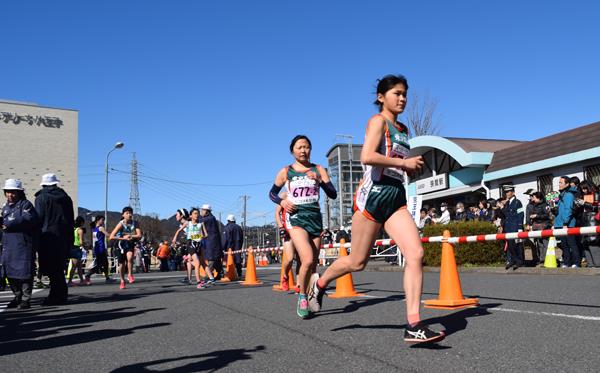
118	145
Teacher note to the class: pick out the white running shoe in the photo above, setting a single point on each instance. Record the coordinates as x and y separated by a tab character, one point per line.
315	295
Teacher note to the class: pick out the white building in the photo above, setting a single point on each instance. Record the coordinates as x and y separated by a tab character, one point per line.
36	140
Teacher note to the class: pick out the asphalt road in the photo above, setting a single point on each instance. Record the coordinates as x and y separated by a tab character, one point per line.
526	322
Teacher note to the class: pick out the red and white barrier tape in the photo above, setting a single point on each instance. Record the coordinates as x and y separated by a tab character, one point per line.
583	231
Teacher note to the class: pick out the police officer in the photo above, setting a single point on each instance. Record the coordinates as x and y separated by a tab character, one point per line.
234	240
513	222
20	225
213	250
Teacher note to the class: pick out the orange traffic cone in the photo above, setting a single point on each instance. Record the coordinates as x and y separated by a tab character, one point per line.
344	287
250	270
290	277
202	271
451	295
231	274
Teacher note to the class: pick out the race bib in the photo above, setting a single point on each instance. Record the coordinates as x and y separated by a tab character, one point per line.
303	190
397	151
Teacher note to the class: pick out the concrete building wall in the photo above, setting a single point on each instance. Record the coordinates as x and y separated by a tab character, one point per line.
36	140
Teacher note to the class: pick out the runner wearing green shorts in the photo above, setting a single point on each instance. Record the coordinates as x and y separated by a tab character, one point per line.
303	181
380	201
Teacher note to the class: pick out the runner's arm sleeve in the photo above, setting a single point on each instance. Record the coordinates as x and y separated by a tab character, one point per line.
274	194
329	189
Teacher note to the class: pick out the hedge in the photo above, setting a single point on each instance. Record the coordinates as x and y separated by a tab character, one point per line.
476	253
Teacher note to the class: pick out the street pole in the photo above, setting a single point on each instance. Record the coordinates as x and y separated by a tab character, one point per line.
118	145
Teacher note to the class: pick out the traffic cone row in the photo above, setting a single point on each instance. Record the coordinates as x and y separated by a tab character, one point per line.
450	293
263	261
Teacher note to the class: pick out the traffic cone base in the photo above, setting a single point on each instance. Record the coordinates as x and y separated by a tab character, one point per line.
451	304
346	295
450	296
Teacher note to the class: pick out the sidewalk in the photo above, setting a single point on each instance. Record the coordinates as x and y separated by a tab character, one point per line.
378	266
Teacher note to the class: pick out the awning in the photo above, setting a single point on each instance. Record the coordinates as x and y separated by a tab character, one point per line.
451	192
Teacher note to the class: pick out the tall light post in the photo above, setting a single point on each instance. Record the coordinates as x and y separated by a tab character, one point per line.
118	145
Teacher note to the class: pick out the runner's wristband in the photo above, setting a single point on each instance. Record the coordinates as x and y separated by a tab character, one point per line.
274	194
329	189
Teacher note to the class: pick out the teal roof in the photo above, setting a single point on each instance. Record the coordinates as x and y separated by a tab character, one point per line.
421	144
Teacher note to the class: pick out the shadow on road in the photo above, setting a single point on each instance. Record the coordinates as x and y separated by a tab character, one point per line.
211	361
360	303
452	323
21	331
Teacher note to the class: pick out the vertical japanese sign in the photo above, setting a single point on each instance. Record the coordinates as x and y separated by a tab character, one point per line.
414	207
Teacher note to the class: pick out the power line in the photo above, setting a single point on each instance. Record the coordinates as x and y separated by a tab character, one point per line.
209	185
185	189
189	188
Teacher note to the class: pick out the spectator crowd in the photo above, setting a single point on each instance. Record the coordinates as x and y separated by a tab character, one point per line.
574	205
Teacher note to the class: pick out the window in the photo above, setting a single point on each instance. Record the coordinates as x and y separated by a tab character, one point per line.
592	174
544	183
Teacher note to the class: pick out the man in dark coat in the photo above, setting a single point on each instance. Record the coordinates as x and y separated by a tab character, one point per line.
20	226
212	244
513	222
234	240
55	209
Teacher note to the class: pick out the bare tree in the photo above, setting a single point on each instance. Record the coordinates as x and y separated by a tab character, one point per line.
152	227
421	116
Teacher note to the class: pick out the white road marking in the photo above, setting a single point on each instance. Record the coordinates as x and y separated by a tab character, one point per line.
552	314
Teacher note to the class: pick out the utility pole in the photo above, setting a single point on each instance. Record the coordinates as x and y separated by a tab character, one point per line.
244	217
134	195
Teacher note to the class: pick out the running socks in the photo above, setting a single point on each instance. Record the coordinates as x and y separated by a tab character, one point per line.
320	284
413	320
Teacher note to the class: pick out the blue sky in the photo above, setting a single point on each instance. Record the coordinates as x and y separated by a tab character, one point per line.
212	92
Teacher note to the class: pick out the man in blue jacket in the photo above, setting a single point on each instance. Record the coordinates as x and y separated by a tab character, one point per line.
212	243
55	210
565	219
20	226
513	222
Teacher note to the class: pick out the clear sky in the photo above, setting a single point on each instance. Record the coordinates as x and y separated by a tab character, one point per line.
211	92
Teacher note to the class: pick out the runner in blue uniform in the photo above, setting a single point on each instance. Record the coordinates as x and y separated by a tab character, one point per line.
127	232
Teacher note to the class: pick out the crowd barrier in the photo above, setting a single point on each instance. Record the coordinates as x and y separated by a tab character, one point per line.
327	253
